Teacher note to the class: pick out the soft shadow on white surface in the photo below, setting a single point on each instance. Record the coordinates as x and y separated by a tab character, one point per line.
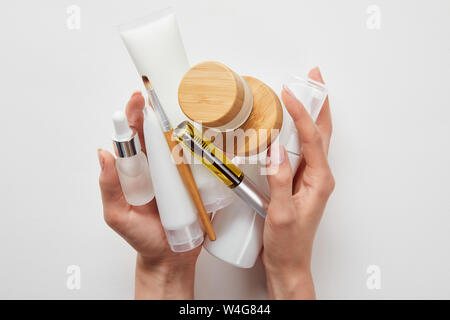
216	279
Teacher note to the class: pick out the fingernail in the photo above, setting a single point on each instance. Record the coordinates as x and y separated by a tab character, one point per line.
136	94
286	88
276	155
315	74
100	158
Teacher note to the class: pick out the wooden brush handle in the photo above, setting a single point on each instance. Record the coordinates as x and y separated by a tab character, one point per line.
186	175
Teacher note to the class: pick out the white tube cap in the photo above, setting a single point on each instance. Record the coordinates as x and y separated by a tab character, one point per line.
185	238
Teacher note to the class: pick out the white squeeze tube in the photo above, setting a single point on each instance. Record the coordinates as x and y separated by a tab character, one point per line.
176	208
156	48
238	228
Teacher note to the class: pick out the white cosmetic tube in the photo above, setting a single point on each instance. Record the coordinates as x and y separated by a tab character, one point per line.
176	208
238	228
156	48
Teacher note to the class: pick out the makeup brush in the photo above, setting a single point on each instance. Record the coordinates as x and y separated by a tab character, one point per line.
183	168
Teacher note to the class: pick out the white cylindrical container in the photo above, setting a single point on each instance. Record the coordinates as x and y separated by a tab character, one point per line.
312	95
176	208
155	46
238	228
131	163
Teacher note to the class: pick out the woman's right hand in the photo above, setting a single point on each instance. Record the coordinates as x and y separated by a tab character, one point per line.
297	203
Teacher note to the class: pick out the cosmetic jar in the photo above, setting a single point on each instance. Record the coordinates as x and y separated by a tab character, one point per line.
212	94
244	110
156	48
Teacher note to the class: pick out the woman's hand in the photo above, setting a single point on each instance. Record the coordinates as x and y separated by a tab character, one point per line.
297	203
160	273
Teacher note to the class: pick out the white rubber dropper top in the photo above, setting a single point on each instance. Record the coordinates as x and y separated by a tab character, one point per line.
122	130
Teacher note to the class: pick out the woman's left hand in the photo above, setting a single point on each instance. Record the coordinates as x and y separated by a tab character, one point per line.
160	273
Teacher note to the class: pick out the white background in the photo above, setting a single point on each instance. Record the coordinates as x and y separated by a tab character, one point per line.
389	93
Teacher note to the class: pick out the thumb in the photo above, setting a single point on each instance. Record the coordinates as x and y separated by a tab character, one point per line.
112	196
280	183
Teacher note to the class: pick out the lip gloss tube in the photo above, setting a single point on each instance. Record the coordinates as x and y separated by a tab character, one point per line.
218	163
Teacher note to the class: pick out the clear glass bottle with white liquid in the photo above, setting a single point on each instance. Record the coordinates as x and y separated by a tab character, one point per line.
131	163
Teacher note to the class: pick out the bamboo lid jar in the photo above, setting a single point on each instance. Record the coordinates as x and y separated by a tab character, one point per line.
244	109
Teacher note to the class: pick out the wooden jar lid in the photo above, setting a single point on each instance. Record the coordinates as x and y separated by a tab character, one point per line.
211	93
267	113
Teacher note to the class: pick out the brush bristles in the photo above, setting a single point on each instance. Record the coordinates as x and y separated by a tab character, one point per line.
147	83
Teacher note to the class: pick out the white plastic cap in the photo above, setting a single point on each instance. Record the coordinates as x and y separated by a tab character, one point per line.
122	130
185	238
311	93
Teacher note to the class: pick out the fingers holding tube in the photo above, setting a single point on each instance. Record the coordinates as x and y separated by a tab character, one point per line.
279	177
309	134
323	121
135	115
112	197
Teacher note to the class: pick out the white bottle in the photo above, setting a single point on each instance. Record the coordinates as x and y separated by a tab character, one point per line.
156	48
176	209
239	229
131	163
